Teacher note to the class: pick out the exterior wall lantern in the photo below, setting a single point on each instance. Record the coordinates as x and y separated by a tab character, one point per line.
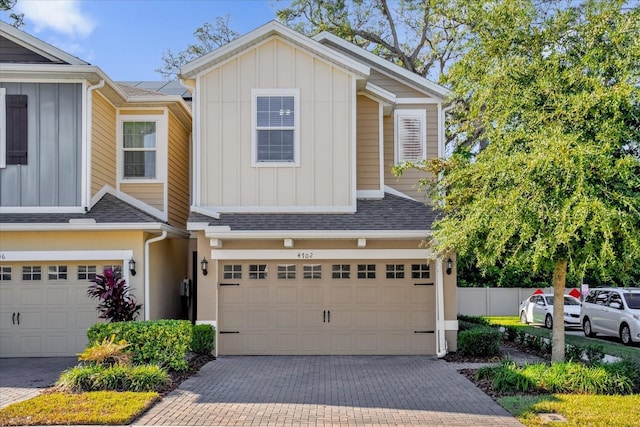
449	266
204	264
132	267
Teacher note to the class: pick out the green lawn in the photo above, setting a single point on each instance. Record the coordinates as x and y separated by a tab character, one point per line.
578	409
100	407
609	347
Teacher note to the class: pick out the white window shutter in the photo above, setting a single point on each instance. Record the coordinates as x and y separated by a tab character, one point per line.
410	130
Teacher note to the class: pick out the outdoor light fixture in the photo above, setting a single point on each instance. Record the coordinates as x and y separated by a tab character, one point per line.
449	266
132	266
203	265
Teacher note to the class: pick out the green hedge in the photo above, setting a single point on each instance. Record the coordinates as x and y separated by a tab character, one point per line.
202	339
480	342
156	342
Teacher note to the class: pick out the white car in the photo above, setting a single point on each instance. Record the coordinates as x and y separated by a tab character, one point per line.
614	312
538	308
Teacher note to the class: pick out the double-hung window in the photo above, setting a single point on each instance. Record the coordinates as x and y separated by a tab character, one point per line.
139	147
410	135
276	127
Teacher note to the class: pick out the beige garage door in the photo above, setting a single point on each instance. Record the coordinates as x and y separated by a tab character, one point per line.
334	307
44	310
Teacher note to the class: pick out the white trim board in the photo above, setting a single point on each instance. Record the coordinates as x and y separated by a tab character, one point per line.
319	254
7	256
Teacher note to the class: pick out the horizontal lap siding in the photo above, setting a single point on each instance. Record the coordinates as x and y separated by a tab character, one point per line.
178	169
368	145
151	194
103	144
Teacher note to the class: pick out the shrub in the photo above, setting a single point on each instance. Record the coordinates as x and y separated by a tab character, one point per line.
107	353
484	341
572	353
510	333
115	301
594	353
202	339
114	378
157	342
473	319
507	378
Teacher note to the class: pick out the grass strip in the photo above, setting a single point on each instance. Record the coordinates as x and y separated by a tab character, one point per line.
100	407
578	409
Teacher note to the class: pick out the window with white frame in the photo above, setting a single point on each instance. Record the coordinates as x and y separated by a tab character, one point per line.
232	271
276	127
31	272
420	271
395	271
257	271
86	272
143	146
312	271
57	272
410	135
341	271
286	271
366	271
5	273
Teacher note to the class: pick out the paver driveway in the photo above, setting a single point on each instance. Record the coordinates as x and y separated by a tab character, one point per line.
328	390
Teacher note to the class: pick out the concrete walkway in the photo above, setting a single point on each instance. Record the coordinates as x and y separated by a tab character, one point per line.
24	378
328	390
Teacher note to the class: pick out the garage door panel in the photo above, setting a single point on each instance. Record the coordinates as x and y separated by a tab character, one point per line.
367	343
393	294
258	343
59	295
311	318
288	343
339	295
287	319
420	294
30	320
231	295
232	319
425	343
340	318
7	293
395	342
366	295
58	320
30	345
257	295
341	343
365	319
287	295
312	295
258	319
394	319
312	343
30	296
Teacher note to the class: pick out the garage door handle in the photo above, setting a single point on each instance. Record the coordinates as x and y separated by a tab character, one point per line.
13	318
324	316
328	316
18	318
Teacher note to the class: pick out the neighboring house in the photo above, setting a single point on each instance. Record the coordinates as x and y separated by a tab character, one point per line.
92	174
308	243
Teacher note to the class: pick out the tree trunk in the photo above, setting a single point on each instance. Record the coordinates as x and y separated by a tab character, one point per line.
557	336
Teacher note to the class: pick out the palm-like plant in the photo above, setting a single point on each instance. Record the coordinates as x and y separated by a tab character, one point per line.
116	303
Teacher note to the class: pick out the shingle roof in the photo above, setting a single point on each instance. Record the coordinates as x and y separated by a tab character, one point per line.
172	87
390	213
108	210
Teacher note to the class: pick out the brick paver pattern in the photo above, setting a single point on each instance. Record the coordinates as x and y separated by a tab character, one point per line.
328	391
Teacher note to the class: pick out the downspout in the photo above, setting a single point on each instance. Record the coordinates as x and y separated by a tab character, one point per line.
441	342
146	270
88	142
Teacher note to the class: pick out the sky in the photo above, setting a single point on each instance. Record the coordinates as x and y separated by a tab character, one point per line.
126	38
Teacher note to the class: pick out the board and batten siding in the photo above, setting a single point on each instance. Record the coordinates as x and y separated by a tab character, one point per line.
52	175
103	143
368	144
324	175
408	182
178	172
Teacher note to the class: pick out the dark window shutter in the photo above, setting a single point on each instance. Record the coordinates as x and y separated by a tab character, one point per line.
16	129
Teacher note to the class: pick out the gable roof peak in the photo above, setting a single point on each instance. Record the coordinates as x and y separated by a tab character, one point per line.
270	29
38	46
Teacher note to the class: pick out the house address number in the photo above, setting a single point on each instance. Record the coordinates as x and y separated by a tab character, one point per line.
305	255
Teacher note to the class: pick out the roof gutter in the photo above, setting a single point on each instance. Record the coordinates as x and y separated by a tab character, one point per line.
226	233
87	136
146	271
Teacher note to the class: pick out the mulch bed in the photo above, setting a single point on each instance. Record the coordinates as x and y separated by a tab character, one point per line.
196	361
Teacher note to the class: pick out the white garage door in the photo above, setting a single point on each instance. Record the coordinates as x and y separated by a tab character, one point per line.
337	307
44	310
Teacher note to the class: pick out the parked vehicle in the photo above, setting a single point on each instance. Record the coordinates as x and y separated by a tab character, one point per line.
538	308
613	312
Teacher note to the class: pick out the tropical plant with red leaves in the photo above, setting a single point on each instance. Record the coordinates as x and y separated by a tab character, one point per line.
116	303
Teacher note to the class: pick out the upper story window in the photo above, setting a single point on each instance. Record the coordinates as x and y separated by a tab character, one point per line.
13	129
410	135
143	143
276	127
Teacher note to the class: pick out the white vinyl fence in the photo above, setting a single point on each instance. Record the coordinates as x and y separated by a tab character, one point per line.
494	301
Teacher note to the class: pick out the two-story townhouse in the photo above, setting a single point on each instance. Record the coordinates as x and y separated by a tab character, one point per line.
93	174
307	243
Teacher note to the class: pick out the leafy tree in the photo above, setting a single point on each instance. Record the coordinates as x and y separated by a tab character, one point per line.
423	36
557	97
208	37
18	18
116	303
